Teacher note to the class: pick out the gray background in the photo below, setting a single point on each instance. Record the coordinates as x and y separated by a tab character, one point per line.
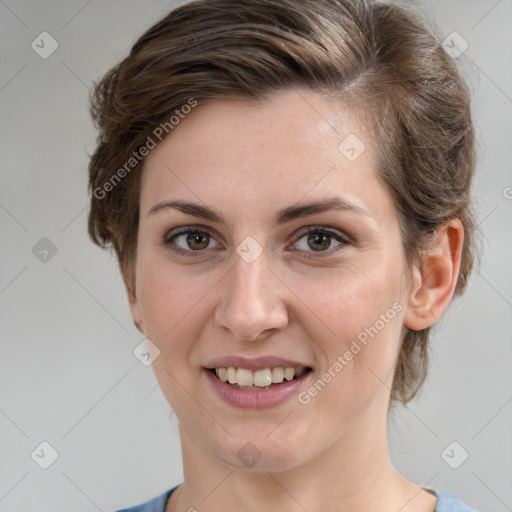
67	372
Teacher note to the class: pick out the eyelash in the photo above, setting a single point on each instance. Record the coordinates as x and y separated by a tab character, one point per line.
170	237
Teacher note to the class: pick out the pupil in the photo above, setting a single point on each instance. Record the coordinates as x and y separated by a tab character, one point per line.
192	239
320	239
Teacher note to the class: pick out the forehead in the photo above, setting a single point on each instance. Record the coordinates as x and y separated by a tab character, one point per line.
294	145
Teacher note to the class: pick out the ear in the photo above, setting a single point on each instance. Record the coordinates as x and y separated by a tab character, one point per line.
134	305
434	280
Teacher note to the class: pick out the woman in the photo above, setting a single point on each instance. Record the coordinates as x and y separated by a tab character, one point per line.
287	189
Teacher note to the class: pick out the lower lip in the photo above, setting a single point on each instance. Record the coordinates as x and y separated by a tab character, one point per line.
256	399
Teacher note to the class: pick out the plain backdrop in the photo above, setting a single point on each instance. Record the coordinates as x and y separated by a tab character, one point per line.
68	375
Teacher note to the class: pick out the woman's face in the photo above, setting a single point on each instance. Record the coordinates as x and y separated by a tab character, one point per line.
249	287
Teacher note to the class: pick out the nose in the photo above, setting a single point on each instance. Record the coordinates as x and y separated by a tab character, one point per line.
251	304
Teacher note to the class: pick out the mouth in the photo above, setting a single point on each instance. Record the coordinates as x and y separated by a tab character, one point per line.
257	380
257	387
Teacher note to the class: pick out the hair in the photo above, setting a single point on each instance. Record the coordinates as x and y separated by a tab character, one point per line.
381	57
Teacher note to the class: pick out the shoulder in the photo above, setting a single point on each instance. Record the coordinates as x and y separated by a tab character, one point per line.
156	504
447	502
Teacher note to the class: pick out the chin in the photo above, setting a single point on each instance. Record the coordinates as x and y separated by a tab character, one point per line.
257	453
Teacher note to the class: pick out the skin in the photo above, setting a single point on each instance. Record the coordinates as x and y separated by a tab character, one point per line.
247	160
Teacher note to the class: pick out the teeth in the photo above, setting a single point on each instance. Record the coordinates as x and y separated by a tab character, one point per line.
231	373
222	373
277	375
244	377
260	378
299	371
289	373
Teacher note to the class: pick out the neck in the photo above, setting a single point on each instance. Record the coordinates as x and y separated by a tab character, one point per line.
354	473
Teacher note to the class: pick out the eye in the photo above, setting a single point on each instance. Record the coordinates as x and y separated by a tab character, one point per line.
189	241
193	241
319	239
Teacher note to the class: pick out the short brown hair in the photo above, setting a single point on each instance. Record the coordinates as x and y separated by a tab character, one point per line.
378	55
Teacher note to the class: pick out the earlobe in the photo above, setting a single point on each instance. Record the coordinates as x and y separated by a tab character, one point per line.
134	306
434	280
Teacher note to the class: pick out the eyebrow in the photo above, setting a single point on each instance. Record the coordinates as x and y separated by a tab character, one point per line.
282	216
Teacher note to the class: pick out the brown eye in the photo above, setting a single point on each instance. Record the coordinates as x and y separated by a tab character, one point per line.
198	241
319	242
318	239
190	242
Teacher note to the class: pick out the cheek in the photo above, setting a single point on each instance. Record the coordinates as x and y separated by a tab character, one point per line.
168	299
171	311
348	299
360	323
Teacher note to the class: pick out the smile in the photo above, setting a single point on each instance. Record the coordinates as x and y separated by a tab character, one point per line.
246	379
259	388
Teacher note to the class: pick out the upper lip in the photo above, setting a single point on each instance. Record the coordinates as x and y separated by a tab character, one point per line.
257	363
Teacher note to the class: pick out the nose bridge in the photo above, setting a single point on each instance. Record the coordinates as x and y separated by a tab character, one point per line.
250	303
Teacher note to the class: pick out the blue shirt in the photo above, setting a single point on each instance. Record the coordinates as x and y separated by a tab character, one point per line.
446	502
